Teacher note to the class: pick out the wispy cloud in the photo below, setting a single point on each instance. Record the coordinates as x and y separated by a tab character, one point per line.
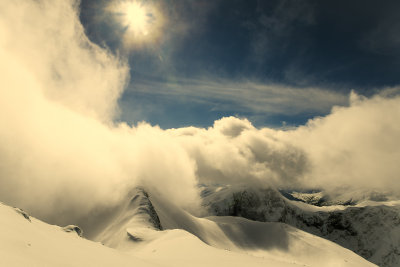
246	96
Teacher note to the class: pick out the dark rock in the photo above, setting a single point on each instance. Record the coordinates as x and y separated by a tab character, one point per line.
73	228
23	213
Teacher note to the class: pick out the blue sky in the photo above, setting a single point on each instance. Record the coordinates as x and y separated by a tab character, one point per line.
275	62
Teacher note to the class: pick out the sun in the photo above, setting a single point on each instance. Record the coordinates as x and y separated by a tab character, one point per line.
137	18
141	21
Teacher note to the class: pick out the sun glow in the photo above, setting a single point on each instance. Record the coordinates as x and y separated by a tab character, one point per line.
141	20
137	18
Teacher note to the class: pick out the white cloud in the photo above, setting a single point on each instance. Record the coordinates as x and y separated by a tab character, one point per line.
233	151
356	146
48	40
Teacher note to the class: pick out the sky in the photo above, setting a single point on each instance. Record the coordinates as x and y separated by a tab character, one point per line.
278	63
79	115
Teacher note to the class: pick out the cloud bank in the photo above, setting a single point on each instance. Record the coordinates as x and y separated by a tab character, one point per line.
64	160
354	147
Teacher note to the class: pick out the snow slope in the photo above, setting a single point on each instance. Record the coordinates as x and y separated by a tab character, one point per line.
32	242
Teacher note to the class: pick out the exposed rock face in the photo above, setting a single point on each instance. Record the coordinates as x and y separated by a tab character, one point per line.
372	232
135	221
146	208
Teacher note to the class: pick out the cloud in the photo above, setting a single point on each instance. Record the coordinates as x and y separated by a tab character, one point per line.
235	152
32	35
357	147
246	96
64	160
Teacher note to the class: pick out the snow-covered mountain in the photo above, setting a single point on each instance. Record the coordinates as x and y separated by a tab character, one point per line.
151	231
372	231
